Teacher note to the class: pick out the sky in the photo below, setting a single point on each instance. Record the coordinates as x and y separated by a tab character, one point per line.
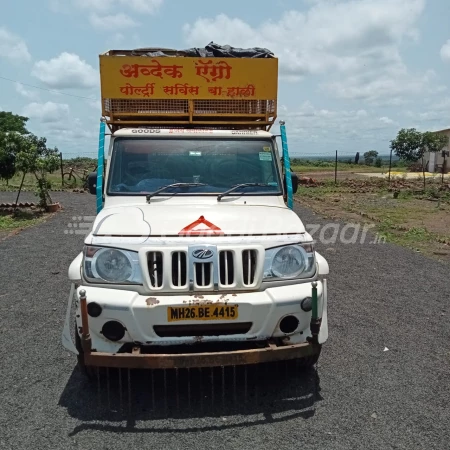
351	72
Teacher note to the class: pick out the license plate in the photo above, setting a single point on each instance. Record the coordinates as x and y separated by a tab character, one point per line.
203	312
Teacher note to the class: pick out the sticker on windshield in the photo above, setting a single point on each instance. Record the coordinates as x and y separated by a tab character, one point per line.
263	156
266	149
195	153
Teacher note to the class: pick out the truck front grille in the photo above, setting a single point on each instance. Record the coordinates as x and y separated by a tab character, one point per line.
248	266
175	270
203	274
155	269
179	269
226	268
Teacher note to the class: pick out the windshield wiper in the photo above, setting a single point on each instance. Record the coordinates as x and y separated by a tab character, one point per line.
174	185
238	186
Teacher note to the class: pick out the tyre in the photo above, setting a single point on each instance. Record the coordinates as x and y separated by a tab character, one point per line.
69	180
89	372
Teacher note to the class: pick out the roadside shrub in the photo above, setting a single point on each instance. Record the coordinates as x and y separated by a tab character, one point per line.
415	166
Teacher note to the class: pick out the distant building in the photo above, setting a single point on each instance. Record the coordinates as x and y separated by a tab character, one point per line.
435	162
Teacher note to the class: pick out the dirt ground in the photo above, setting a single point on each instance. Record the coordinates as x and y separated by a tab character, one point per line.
422	224
329	175
13	223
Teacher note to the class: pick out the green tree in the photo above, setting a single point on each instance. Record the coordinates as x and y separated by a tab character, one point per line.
410	145
7	157
10	122
21	151
434	142
34	157
11	125
378	162
28	154
369	157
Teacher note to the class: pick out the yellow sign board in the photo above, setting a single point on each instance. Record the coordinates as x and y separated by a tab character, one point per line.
141	77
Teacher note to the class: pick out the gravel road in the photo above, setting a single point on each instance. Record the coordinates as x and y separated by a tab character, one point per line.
361	397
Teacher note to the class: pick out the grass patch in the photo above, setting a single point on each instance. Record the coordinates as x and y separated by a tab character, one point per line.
20	219
343	167
416	238
403	212
29	182
81	166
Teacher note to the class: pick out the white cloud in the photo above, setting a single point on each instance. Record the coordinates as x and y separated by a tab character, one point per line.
330	35
13	47
99	9
20	88
66	71
354	43
434	110
119	21
97	5
445	52
393	83
48	112
73	137
441	105
140	6
430	115
143	6
331	129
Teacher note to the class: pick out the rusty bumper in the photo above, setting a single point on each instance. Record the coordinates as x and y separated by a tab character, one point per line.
140	358
137	360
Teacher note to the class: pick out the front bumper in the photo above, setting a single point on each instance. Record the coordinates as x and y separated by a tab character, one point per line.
141	347
137	360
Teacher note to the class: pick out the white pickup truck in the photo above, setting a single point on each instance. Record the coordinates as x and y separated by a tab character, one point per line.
196	257
195	244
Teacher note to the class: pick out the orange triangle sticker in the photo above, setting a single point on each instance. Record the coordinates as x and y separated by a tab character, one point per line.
201	227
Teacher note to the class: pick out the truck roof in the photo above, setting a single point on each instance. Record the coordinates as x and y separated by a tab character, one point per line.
190	132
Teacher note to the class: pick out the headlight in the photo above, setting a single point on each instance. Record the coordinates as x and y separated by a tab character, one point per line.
292	261
111	265
288	262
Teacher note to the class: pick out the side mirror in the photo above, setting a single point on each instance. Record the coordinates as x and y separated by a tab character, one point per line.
294	179
92	183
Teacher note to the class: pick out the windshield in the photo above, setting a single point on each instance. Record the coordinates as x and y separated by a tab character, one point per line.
212	166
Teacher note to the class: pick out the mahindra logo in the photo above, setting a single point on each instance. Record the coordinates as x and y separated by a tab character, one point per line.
202	253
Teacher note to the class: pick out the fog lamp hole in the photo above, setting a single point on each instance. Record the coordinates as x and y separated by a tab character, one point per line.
113	330
94	309
289	324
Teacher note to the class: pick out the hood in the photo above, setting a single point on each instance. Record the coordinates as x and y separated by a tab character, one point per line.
195	220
